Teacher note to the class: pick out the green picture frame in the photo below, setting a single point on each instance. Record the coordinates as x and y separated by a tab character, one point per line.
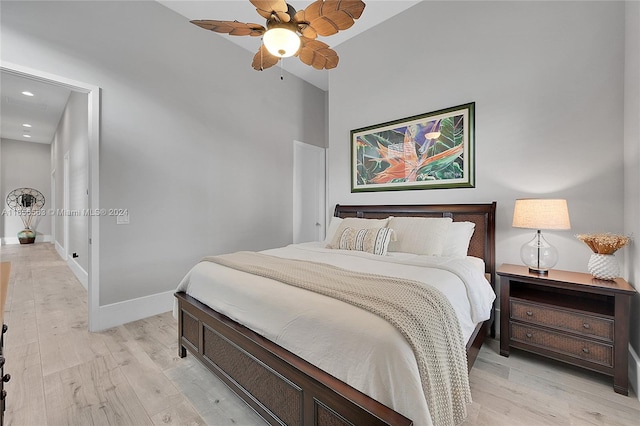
428	151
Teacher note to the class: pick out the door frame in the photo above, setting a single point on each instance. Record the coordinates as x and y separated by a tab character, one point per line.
93	97
53	203
65	204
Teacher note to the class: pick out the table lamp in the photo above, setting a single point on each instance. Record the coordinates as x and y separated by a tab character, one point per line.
538	214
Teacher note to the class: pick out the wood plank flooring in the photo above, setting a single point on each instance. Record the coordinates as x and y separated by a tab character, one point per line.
131	375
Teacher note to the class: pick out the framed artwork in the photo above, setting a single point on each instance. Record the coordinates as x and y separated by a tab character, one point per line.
427	151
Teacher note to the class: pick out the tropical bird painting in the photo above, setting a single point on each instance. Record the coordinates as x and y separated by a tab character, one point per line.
419	151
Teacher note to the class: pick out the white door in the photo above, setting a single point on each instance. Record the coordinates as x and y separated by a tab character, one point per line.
308	192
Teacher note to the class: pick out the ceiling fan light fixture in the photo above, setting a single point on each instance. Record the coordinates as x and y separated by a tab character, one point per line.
292	33
281	42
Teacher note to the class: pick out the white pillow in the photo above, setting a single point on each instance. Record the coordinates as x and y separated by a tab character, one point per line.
419	235
333	227
357	223
458	239
371	240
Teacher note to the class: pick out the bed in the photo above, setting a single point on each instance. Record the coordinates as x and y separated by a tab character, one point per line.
295	386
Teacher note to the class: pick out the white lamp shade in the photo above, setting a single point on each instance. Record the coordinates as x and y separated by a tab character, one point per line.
534	213
281	42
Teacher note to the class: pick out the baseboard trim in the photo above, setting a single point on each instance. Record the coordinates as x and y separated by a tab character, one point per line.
61	251
40	238
634	371
126	311
79	272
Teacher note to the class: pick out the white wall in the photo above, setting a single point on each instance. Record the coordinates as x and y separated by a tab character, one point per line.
547	80
556	92
72	138
632	162
24	165
194	142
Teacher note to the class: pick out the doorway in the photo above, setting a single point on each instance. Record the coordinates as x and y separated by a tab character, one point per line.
309	192
93	117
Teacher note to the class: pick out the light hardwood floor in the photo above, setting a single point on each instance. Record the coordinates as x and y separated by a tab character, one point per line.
131	375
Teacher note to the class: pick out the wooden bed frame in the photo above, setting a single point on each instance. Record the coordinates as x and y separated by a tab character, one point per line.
282	387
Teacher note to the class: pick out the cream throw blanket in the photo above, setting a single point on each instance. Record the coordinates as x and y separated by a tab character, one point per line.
422	314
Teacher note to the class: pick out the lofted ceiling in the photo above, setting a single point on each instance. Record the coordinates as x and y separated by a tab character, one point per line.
44	110
375	12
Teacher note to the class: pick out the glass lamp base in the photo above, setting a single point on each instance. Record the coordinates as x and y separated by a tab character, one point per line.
539	255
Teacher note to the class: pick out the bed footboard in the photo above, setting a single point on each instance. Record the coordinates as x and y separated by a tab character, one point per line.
280	386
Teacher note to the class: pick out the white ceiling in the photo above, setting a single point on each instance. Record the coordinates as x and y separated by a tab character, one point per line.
42	111
375	12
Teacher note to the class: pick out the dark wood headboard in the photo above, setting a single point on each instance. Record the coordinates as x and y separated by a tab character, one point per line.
483	242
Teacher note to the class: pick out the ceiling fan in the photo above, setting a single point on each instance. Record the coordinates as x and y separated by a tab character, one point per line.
290	33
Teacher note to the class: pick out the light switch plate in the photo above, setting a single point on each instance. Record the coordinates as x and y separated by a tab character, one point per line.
122	219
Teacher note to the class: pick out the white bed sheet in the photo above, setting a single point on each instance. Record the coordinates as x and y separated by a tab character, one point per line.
290	317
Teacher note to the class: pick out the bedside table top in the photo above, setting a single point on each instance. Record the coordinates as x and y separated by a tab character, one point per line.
619	285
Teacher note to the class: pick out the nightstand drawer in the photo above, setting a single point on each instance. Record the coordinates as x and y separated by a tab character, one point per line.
579	348
563	320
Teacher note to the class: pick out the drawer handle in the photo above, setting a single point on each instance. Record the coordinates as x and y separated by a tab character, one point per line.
585	350
529	313
529	335
586	325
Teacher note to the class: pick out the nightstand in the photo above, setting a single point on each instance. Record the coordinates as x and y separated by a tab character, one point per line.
5	269
567	316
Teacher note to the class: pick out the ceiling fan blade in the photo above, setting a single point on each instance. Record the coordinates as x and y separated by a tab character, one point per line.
308	32
266	8
303	26
231	27
327	17
317	54
263	59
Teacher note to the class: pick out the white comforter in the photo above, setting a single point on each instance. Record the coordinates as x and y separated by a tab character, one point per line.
326	331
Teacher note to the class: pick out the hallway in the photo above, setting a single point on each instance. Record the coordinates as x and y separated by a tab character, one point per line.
129	375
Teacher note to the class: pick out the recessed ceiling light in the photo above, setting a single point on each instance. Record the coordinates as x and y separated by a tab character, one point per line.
26	136
26	125
26	93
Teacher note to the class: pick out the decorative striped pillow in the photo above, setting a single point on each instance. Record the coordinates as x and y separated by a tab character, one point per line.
358	223
371	240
